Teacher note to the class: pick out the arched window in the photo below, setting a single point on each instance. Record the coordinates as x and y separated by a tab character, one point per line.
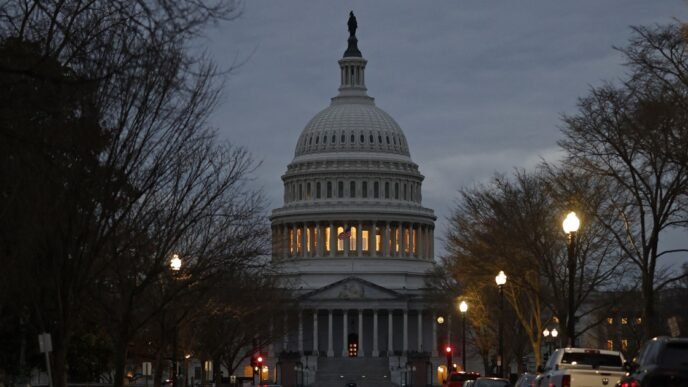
352	189
404	189
329	189
340	189
308	191
396	191
376	190
353	138
364	189
300	191
386	190
317	190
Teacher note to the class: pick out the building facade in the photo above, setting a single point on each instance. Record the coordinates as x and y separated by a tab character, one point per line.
355	242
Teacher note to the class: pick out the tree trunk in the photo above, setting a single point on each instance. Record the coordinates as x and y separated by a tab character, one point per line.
120	361
650	326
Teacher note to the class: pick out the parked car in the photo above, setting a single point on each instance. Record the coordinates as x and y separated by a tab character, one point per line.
662	361
491	382
525	380
468	383
582	367
457	379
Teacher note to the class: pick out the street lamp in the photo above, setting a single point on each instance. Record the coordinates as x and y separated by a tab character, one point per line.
501	280
571	224
463	307
175	266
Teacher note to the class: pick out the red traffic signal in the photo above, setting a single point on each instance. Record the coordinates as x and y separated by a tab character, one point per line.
448	349
259	360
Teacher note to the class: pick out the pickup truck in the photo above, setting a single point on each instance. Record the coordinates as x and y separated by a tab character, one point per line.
582	367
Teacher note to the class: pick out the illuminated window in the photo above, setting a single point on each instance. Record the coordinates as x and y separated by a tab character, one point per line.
415	241
610	320
307	230
397	239
291	241
624	320
327	239
406	240
316	235
378	240
298	241
624	344
638	320
364	240
610	345
340	242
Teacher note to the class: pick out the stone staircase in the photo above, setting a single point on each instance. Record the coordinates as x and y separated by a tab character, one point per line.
365	372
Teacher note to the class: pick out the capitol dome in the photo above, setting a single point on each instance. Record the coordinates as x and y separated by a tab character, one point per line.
352	125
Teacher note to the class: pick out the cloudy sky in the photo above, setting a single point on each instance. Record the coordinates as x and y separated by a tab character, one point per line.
477	86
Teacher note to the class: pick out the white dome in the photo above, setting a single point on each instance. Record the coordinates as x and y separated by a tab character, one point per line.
352	126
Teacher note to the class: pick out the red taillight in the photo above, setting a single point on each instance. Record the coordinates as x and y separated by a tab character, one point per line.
566	381
632	383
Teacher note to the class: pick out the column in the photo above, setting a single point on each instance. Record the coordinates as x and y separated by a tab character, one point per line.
316	350
390	327
345	334
420	330
402	242
300	331
360	333
330	351
411	245
434	334
385	240
371	239
359	239
333	239
405	349
376	352
321	241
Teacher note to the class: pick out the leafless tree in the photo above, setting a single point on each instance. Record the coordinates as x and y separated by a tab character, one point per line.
631	135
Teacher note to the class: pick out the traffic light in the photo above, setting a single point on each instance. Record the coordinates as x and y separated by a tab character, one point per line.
448	352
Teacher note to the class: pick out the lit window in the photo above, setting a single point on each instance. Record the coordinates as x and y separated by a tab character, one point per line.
352	239
340	242
327	239
397	239
624	320
624	344
378	240
407	236
364	240
307	230
610	345
298	241
291	241
610	320
638	320
415	241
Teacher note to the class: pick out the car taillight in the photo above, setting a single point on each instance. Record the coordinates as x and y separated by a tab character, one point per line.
632	383
566	381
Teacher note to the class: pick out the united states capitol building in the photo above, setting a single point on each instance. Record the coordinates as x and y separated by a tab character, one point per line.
355	241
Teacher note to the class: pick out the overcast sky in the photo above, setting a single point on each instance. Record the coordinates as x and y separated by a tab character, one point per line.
477	86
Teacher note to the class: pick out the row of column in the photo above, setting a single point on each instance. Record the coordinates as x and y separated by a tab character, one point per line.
361	333
383	239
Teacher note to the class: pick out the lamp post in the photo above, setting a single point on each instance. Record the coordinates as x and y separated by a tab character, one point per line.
501	280
175	266
571	224
463	307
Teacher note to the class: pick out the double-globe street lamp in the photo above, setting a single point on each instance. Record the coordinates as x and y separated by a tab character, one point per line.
463	307
501	280
550	336
571	225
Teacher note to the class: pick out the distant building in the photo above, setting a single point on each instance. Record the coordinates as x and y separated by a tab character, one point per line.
355	241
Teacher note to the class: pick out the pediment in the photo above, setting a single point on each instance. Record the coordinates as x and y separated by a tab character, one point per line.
352	288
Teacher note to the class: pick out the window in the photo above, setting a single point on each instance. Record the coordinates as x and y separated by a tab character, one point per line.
396	191
317	140
610	345
299	247
340	190
414	238
352	189
308	191
340	242
317	190
371	139
291	241
307	230
624	345
386	190
352	239
353	138
397	239
334	138
364	240
362	138
404	191
378	240
376	190
379	139
343	138
310	140
325	139
624	320
638	320
387	140
407	236
300	191
364	189
610	320
329	189
327	240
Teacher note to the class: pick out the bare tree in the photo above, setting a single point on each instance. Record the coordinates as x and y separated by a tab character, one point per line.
628	135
